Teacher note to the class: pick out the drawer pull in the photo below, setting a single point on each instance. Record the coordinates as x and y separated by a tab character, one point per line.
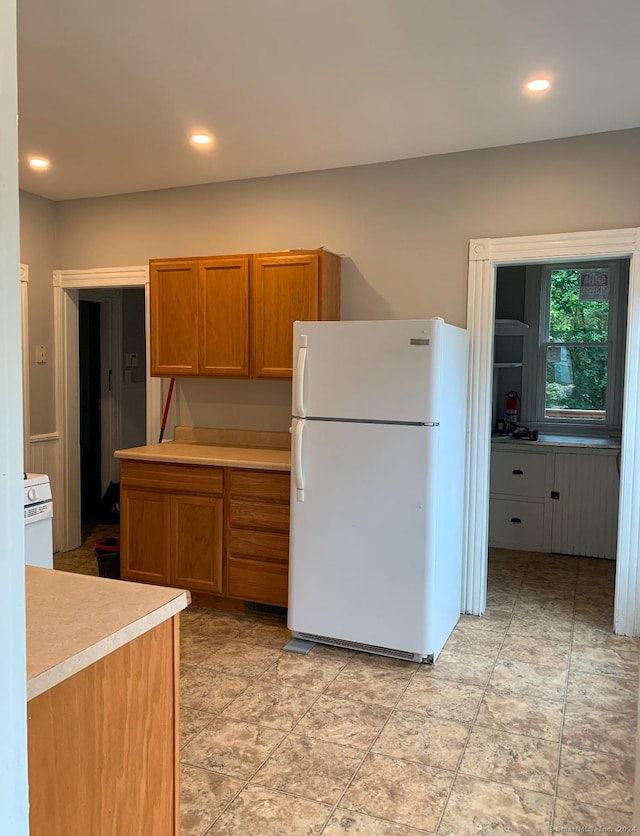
517	472
516	520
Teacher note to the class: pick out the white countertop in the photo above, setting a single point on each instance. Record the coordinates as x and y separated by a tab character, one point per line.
549	440
75	620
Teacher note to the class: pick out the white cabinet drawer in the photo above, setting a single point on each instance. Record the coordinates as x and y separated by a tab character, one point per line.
518	474
517	524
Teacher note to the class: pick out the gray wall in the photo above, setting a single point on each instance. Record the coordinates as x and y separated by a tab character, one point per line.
37	249
402	227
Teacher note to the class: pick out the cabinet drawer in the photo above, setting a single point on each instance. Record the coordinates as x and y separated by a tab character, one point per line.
516	523
259	484
262	544
256	580
518	474
267	516
182	478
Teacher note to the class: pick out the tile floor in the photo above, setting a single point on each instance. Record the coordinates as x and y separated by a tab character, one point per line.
525	725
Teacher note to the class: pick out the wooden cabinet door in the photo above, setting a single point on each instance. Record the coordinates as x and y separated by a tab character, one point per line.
224	317
174	316
284	288
144	536
196	542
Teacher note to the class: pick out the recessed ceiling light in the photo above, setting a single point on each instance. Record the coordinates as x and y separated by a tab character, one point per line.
538	85
201	139
39	163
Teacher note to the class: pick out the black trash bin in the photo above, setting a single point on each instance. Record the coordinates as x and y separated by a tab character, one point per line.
107	551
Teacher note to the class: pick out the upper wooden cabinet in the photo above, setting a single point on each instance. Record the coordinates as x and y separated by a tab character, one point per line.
232	316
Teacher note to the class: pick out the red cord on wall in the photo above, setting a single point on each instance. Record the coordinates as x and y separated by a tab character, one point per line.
166	409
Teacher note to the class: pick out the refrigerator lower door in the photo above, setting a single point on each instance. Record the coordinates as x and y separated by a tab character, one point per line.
361	538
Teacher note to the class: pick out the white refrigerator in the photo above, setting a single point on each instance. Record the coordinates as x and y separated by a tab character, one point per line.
377	476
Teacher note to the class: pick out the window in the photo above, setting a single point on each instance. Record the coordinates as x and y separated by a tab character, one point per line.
579	346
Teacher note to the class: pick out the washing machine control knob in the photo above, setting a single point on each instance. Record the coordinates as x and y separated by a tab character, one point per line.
32	494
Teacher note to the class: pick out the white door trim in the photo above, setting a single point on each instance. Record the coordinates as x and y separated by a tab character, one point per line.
485	255
26	412
65	282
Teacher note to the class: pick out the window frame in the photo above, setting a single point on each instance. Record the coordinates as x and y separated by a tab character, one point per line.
537	306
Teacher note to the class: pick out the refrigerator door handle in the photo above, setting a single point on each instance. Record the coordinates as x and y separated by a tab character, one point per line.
301	363
297	460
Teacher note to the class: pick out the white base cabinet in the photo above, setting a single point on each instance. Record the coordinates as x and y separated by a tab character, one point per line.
559	500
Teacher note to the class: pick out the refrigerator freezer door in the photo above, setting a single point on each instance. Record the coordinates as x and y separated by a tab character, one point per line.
361	539
370	371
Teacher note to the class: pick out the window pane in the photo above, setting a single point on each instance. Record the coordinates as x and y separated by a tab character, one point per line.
574	319
576	382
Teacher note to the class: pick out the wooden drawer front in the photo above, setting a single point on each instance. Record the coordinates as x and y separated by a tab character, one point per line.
516	523
261	544
518	474
267	516
256	580
183	478
260	484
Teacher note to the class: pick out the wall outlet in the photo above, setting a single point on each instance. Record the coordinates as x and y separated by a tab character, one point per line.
131	360
41	354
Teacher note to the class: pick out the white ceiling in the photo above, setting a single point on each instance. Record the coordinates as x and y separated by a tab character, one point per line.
110	91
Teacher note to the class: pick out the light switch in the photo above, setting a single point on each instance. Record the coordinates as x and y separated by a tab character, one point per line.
41	354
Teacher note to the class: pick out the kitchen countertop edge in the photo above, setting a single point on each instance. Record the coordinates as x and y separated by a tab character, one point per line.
81	658
177	452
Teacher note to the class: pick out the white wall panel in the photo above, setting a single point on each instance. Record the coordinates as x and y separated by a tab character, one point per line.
44	457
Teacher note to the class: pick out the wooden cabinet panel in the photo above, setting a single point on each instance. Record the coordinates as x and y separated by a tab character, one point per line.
267	516
224	313
145	544
285	289
255	580
174	314
103	745
265	545
196	531
182	478
260	484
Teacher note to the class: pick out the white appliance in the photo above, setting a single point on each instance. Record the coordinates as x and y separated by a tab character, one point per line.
38	521
378	441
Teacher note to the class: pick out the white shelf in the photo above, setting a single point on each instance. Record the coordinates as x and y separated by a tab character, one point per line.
507	365
510	328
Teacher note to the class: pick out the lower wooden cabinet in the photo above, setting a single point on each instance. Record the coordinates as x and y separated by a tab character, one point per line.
221	531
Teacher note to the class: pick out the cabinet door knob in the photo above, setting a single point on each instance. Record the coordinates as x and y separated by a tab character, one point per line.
516	520
517	472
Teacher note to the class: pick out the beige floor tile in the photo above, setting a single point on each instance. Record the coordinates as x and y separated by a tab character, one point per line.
465	639
485	808
596	778
540	608
242	659
586	635
492	619
307	672
412	737
441	699
274	636
348	821
541	629
233	748
258	811
525	679
346	722
328	651
603	731
195	649
192	722
221	627
271	705
609	661
522	649
370	684
502	599
606	693
203	796
460	667
530	716
311	768
571	815
402	792
206	690
520	761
